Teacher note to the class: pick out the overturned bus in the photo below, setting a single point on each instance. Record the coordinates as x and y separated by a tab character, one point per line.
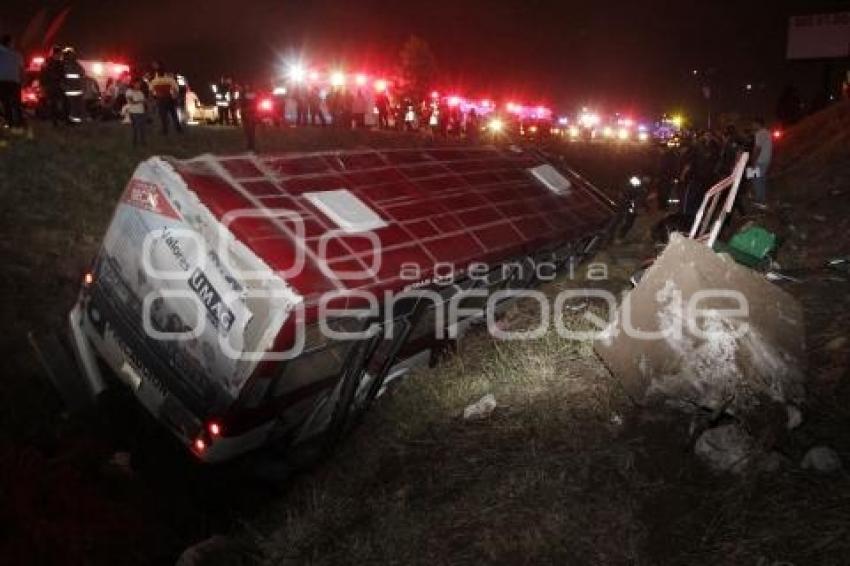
256	300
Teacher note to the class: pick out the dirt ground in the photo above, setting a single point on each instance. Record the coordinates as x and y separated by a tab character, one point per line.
565	471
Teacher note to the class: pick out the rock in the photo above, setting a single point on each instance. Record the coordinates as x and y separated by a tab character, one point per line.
795	417
701	332
726	448
821	459
481	409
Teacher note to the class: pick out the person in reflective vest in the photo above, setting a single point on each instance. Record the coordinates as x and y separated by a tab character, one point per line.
235	94
165	92
51	77
73	85
222	101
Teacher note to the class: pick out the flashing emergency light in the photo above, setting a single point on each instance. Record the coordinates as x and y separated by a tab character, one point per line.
38	61
635	181
623	134
563	120
643	136
677	121
337	78
486	103
120	69
574	132
380	85
314	75
454	100
297	73
496	125
589	119
279	91
265	105
435	94
607	131
360	79
777	134
97	69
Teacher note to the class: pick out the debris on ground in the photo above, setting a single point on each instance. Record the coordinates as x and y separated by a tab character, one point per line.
821	459
723	338
481	409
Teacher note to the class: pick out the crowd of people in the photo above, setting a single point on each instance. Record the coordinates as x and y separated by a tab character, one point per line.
704	158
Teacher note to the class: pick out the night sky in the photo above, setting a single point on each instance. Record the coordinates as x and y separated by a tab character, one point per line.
628	56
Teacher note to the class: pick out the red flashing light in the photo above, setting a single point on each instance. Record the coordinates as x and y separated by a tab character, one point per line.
265	105
360	80
200	445
37	61
777	134
454	100
380	85
88	279
435	94
214	428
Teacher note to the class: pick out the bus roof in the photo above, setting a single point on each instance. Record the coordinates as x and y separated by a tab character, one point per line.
424	206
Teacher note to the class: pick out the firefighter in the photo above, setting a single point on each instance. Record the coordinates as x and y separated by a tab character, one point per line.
51	78
248	101
73	85
165	91
222	101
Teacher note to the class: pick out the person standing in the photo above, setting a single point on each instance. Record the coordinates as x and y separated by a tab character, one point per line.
135	108
235	93
761	158
74	85
382	103
11	73
314	106
222	101
472	126
165	90
359	108
51	78
248	114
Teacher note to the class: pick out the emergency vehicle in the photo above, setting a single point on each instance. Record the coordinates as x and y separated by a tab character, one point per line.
255	300
97	75
298	78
